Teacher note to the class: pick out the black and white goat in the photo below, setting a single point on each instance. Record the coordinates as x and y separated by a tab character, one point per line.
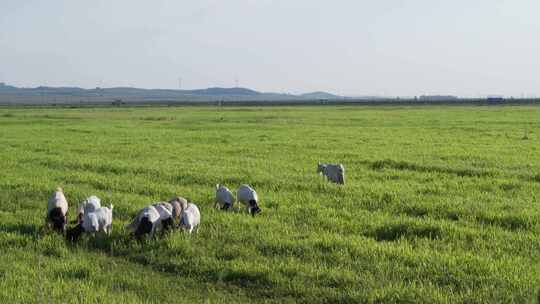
151	219
57	209
224	197
333	172
247	196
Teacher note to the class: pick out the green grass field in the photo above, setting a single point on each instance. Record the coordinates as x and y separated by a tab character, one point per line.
441	204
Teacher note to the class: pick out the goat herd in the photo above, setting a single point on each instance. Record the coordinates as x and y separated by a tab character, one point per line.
161	216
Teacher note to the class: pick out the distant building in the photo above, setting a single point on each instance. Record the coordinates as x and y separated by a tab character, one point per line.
495	99
437	97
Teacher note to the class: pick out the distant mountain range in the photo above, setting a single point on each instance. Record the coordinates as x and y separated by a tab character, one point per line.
44	94
320	95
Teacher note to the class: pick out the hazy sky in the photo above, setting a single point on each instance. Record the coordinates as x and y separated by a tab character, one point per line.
378	47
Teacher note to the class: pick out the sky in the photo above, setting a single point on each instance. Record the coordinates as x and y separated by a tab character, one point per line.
379	47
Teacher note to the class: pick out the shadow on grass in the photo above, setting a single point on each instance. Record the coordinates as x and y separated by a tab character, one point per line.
154	254
511	222
380	165
409	166
394	232
424	212
73	274
22	229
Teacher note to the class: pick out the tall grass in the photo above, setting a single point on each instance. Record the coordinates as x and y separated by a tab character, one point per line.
440	204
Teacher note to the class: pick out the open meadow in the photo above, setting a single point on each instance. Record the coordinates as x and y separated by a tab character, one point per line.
440	205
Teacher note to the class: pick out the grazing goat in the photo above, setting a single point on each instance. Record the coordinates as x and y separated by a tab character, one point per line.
165	211
190	217
90	204
149	220
57	209
163	206
247	196
176	203
224	197
98	220
333	172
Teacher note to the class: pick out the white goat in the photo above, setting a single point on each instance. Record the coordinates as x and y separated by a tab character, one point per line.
151	219
224	197
333	172
98	220
190	217
57	209
247	196
90	204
